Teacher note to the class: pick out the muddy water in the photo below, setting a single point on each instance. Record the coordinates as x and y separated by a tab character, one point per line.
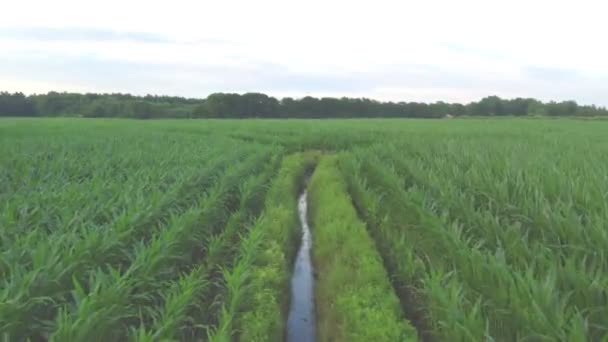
301	320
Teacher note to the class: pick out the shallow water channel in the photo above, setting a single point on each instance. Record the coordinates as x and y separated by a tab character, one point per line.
301	319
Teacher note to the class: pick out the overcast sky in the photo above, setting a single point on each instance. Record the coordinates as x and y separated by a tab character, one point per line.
389	50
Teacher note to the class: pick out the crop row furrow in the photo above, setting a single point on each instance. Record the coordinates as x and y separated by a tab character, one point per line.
35	250
173	251
569	266
82	265
191	304
528	304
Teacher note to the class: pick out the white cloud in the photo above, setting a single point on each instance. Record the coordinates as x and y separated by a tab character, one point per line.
398	50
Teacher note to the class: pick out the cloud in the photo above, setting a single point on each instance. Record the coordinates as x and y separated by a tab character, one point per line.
386	49
398	83
476	51
192	80
52	34
550	75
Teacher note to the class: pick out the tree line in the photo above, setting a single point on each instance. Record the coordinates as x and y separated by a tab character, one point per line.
257	105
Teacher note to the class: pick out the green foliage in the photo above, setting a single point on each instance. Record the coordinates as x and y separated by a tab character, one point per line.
16	104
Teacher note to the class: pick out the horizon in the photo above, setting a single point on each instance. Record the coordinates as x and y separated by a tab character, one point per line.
301	97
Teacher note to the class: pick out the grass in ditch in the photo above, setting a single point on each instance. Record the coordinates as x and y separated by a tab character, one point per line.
354	297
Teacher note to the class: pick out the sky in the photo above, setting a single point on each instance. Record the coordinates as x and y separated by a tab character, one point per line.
455	51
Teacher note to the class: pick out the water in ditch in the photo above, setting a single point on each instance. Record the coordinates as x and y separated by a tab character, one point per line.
301	319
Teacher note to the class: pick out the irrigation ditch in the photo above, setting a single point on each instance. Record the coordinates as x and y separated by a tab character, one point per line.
340	287
301	319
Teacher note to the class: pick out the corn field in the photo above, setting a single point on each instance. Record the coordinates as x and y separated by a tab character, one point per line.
436	230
